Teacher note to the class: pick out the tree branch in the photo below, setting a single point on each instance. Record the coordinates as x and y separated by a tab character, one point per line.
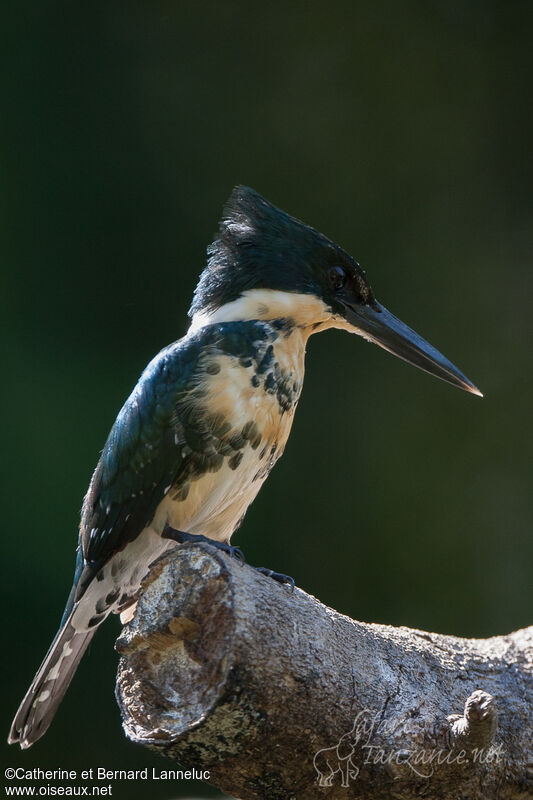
278	696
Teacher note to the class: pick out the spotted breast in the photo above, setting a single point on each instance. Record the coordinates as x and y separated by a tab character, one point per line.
243	404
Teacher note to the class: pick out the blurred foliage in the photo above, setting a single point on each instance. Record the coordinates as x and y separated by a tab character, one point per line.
403	131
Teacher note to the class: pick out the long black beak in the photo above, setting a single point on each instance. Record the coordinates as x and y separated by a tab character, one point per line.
378	325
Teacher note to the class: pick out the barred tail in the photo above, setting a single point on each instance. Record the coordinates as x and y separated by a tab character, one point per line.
50	684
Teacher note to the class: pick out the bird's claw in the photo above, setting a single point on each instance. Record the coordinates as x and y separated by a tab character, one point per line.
277	576
235	552
181	537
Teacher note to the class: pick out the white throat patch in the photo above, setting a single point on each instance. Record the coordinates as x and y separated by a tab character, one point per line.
306	310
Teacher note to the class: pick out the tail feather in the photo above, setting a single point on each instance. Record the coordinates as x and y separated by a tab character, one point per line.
50	684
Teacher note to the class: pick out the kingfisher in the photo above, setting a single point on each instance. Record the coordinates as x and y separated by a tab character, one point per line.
209	418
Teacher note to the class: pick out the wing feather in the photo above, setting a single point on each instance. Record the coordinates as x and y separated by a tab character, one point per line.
164	436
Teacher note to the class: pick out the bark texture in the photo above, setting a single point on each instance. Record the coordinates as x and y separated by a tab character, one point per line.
278	696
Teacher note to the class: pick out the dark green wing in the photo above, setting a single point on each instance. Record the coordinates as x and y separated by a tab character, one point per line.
141	459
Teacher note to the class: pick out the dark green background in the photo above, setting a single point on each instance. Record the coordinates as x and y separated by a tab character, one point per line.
403	131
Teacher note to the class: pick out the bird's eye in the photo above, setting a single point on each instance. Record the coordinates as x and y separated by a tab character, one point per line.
337	277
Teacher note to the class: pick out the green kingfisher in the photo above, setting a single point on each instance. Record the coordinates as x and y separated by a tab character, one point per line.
210	416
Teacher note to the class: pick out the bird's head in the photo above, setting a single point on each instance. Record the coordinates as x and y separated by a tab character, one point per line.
265	264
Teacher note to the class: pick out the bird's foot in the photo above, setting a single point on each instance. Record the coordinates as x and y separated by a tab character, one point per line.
277	576
181	537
